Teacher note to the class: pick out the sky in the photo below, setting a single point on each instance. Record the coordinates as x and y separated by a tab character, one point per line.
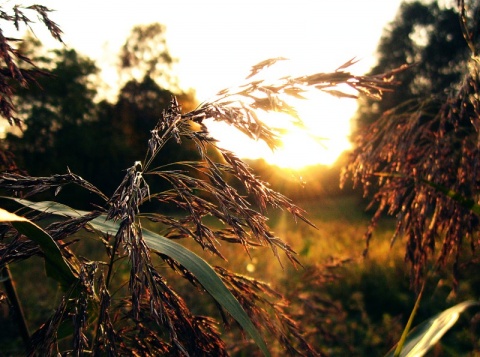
217	42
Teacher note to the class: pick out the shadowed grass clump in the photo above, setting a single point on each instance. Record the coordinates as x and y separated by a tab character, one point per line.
419	162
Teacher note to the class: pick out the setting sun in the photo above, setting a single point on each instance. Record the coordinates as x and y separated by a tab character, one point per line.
325	136
321	139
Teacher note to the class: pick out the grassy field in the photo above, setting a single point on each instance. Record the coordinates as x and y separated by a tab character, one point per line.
346	303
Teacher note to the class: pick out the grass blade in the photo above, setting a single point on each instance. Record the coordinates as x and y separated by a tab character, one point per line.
209	280
406	331
55	264
195	264
423	337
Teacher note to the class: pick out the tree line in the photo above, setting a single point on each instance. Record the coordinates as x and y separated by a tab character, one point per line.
66	127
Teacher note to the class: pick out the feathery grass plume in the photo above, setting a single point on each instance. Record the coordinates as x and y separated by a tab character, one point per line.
238	106
43	12
136	310
106	339
26	186
44	341
15	247
420	162
13	59
16	250
269	312
80	312
7	162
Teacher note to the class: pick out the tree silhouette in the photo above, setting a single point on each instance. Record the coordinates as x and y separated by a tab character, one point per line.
61	108
146	54
429	39
54	111
13	73
122	130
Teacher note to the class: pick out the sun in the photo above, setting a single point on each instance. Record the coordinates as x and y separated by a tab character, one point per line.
324	137
300	150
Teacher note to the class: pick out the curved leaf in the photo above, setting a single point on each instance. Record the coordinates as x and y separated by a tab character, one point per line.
427	334
55	264
195	264
209	280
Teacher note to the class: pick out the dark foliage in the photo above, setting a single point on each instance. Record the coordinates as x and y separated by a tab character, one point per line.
430	40
12	59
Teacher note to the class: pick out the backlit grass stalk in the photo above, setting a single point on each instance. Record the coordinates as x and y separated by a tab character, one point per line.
409	324
197	189
13	298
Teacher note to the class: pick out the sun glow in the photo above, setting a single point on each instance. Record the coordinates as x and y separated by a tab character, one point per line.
322	139
325	136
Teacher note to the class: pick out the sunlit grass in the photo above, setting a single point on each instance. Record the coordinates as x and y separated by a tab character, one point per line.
340	227
341	223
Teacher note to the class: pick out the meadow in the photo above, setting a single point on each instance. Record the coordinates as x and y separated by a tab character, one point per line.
347	303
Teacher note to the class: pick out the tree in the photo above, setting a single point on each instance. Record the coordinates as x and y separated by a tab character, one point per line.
427	38
12	73
146	67
13	59
54	112
123	128
62	107
146	54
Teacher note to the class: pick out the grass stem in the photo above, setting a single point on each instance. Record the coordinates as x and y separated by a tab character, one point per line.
12	295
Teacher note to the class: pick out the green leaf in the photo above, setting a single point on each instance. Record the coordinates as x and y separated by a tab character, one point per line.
423	337
195	264
55	264
209	280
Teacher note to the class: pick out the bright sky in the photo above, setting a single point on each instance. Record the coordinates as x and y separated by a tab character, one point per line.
218	41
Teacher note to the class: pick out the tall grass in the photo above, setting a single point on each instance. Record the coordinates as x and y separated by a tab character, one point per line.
116	297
